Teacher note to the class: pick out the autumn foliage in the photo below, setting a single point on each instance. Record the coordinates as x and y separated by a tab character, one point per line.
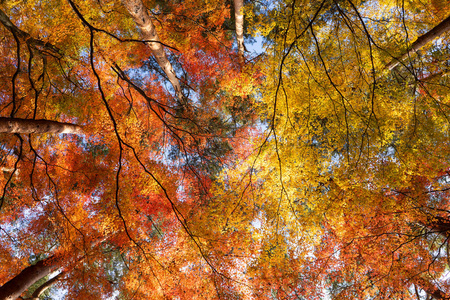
148	151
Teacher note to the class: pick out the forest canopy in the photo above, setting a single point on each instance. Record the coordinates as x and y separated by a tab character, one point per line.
198	149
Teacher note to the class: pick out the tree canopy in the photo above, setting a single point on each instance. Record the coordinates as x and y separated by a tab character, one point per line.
146	152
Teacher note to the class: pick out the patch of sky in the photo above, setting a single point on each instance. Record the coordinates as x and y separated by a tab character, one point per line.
256	46
13	230
256	223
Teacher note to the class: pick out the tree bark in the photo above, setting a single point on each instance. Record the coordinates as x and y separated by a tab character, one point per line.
40	45
12	289
239	26
15	125
22	281
421	41
139	13
41	289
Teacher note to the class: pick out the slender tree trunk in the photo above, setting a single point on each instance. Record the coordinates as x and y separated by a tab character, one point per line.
421	41
430	288
239	26
140	16
14	125
21	282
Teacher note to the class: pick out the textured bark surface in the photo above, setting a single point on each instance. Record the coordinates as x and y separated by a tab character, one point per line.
14	125
22	281
239	25
421	41
140	16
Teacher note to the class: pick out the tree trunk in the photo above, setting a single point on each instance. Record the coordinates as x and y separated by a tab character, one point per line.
441	226
14	125
421	41
429	288
239	24
41	289
438	225
140	16
22	281
12	289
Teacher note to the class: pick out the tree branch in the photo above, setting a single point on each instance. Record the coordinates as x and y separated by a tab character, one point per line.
36	43
15	125
421	41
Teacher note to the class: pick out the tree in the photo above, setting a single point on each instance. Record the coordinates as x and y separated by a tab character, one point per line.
344	139
139	13
200	173
144	162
